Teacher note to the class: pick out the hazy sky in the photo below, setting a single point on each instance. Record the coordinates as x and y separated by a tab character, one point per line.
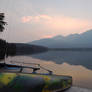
30	20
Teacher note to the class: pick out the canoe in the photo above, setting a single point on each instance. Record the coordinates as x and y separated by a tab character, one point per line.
32	82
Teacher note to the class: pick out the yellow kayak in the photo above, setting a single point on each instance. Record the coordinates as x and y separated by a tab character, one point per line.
18	81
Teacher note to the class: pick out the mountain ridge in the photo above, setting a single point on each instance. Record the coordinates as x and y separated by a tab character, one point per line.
82	40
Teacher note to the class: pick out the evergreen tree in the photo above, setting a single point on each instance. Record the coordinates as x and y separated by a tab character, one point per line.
2	22
2	42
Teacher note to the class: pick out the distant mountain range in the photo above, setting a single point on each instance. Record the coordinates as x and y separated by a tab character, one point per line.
83	40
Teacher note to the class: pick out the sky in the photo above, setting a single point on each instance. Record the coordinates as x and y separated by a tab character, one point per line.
30	20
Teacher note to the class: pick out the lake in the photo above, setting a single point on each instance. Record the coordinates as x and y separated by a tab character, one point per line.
77	64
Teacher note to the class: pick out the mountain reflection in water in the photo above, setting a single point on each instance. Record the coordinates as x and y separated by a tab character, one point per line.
76	64
83	58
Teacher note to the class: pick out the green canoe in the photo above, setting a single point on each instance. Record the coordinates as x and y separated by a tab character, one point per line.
12	81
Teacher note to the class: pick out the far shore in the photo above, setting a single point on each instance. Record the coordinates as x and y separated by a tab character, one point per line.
70	49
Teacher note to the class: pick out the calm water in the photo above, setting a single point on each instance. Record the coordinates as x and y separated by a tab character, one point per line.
76	64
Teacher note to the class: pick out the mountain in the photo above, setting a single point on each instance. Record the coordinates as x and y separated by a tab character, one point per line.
83	40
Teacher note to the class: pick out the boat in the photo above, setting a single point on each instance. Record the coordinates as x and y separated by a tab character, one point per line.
13	78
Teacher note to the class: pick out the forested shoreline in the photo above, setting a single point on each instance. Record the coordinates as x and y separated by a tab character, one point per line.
6	49
11	49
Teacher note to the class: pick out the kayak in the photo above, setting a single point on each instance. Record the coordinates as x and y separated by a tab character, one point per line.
11	81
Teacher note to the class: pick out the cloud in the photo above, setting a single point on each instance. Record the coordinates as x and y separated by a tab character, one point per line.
35	19
26	19
59	23
48	36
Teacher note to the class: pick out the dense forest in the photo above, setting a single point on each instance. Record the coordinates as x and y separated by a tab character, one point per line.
26	49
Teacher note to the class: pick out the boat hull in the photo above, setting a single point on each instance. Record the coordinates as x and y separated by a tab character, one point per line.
20	82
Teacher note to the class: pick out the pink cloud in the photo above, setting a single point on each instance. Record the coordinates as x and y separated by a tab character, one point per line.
26	19
69	24
38	18
48	36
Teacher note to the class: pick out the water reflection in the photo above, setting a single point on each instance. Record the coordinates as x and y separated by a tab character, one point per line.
82	58
82	77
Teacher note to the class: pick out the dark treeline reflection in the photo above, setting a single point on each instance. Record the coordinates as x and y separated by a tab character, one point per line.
6	49
82	58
